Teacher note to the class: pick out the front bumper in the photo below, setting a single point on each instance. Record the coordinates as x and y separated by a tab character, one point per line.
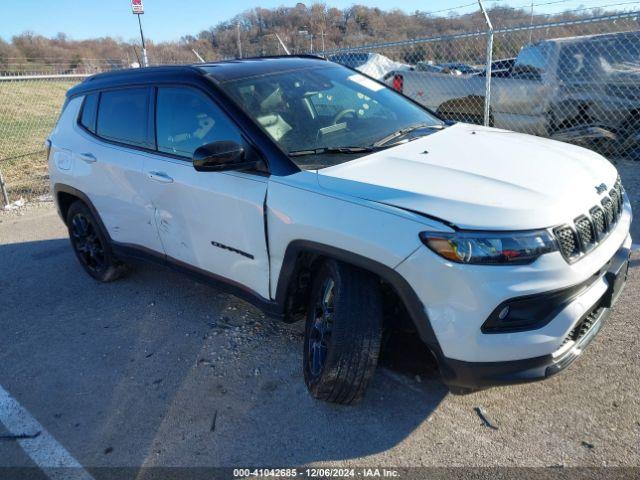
475	375
458	299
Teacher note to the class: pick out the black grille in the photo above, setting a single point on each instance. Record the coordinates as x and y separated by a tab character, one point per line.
609	212
583	327
567	241
599	224
615	199
587	231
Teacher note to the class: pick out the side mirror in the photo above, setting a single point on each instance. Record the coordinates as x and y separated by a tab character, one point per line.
221	156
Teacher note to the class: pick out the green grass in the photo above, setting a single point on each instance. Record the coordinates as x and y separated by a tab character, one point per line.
28	112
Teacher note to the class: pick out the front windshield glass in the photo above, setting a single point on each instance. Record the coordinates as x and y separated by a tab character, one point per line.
329	107
601	58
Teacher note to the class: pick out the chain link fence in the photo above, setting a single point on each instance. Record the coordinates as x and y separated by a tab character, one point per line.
575	80
29	107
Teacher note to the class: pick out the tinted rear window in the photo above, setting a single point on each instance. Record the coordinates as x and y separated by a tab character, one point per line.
122	116
89	112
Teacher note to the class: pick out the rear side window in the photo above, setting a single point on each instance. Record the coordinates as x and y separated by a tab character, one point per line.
89	112
187	119
531	63
122	116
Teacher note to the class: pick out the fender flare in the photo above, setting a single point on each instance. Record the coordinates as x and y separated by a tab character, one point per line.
405	292
63	188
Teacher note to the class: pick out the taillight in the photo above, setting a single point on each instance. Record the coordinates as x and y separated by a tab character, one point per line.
47	146
398	82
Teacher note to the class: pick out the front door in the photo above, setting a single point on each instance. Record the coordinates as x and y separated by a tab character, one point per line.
213	221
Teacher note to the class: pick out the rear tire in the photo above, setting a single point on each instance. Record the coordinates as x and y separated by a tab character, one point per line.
343	332
91	246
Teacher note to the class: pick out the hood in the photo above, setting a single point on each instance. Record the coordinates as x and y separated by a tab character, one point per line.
479	178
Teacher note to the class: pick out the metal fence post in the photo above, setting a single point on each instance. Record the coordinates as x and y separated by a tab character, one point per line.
489	61
3	188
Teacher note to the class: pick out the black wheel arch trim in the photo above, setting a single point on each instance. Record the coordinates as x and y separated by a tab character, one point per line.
63	188
405	292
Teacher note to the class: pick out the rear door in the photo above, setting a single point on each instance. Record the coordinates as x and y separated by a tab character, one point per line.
108	159
213	221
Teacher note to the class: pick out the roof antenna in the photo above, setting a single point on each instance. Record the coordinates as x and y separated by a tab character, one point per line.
284	47
198	55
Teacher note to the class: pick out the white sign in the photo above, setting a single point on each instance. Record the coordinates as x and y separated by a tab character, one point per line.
137	7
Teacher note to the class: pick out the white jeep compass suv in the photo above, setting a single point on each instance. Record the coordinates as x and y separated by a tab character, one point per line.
313	191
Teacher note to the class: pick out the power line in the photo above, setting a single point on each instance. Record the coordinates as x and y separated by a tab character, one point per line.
451	9
609	5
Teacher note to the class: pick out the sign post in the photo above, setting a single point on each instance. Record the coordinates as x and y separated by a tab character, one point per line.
138	9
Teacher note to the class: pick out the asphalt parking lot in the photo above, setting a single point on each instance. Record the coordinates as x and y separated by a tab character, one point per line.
156	370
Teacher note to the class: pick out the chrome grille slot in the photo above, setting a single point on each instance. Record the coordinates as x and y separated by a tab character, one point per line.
609	212
587	231
568	242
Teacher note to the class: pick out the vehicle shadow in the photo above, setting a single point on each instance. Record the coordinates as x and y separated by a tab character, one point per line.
155	370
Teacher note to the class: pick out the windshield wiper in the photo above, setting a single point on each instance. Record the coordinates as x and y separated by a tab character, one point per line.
404	131
331	150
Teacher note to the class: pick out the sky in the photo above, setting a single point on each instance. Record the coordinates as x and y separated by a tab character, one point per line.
170	19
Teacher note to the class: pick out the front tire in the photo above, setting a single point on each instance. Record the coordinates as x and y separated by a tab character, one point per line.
343	332
90	244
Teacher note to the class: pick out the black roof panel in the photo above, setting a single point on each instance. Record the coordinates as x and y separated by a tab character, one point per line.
135	76
218	71
249	67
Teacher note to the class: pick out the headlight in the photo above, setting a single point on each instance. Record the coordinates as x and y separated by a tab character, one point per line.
493	248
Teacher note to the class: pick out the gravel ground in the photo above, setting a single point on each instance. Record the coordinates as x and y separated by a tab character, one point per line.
156	370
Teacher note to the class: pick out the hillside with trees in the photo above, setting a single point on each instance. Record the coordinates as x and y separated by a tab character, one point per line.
301	28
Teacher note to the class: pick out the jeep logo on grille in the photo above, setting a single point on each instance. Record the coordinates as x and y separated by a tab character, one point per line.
601	188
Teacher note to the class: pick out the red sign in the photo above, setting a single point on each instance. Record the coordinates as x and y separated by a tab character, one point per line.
137	7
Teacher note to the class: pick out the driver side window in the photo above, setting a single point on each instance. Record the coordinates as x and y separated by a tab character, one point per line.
186	120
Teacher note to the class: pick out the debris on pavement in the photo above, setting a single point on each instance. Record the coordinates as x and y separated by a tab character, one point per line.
213	422
15	205
484	418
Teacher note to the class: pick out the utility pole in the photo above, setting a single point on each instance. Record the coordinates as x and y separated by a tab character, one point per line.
307	34
239	40
322	34
531	24
145	59
138	9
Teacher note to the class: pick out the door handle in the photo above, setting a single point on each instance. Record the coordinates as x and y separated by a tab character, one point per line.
160	177
88	157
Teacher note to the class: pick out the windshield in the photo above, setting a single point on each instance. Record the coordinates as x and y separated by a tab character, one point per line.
329	107
600	58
